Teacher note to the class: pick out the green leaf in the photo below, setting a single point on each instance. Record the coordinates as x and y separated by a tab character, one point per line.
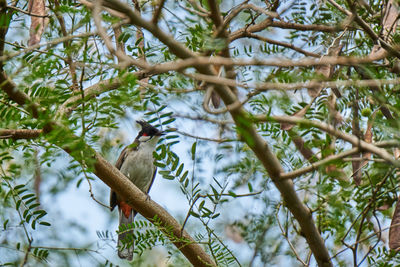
201	205
159	164
163	152
193	150
250	187
231	193
34	205
22	190
18	186
168	121
175	164
18	203
28	218
45	223
25	213
194	214
215	216
27	196
164	172
185	174
169	177
79	182
180	169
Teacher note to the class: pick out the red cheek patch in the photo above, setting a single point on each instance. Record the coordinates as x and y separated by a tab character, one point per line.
126	209
145	134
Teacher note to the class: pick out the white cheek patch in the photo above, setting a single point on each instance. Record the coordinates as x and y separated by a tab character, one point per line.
144	138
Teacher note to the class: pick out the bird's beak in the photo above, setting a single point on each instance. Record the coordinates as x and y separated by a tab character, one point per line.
160	133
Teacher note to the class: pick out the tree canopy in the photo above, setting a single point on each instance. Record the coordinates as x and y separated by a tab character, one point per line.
282	122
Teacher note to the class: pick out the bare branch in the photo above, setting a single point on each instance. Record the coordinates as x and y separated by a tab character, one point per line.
287	45
38	24
27	12
67	43
339	7
206	138
286	236
266	86
283	25
198	61
333	131
157	13
8	86
19	133
315	165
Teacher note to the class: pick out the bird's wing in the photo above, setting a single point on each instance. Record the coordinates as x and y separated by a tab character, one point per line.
152	180
121	158
120	161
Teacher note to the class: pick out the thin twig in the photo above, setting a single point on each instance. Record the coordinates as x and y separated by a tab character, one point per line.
28	250
285	235
157	13
316	165
27	12
333	131
90	185
206	138
279	43
53	43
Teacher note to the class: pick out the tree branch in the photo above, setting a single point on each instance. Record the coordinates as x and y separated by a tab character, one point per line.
19	134
283	25
333	131
316	165
287	45
266	86
157	12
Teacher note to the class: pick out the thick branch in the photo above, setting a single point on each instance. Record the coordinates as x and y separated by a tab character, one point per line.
157	12
150	209
8	86
19	133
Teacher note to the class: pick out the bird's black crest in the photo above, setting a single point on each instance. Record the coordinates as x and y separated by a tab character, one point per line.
144	124
148	128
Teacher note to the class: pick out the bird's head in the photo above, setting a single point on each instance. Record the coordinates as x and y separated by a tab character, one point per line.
148	132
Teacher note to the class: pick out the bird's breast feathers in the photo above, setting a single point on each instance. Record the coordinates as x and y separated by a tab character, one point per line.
138	165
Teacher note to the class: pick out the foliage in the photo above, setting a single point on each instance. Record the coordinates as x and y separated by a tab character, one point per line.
86	92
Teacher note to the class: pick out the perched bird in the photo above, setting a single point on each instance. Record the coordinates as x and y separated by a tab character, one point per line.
136	163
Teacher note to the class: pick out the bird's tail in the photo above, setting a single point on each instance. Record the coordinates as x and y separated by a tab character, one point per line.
125	239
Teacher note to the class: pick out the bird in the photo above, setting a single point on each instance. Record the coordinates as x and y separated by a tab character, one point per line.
137	164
